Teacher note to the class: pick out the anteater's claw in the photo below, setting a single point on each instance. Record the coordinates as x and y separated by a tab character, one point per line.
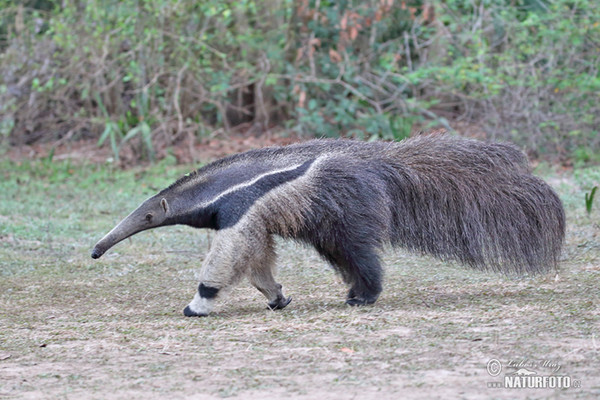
189	313
279	304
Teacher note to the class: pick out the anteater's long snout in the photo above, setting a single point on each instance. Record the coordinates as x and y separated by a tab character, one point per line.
150	214
123	230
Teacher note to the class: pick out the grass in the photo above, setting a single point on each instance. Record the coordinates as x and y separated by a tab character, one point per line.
72	327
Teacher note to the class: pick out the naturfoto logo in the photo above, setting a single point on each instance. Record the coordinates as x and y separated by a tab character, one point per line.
523	374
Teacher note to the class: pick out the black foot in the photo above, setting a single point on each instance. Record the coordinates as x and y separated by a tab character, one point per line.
189	313
280	303
358	301
361	297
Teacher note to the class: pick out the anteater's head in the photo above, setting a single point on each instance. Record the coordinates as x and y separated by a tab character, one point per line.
152	213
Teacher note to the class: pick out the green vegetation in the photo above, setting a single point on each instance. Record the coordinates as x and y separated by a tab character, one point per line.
111	328
589	199
149	74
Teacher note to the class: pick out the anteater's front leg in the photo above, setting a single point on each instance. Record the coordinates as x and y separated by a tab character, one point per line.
223	267
261	275
236	252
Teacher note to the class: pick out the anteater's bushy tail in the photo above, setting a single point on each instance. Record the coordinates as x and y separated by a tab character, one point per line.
475	202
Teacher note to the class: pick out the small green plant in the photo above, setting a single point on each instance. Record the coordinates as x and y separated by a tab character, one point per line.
121	132
589	200
48	159
111	131
401	127
144	130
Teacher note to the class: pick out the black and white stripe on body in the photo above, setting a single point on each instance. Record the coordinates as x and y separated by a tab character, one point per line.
449	197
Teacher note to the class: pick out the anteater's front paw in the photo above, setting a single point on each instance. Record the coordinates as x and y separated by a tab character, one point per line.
279	303
189	313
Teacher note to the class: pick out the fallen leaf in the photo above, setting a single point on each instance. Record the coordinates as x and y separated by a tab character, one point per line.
301	99
344	22
334	56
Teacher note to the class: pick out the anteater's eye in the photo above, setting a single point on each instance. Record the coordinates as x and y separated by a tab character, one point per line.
148	217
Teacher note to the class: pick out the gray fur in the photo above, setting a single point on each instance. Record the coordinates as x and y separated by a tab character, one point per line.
453	198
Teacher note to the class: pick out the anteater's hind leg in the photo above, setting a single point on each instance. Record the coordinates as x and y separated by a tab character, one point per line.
261	276
361	269
365	278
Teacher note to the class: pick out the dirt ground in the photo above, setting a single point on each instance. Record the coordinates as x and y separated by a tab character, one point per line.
119	334
73	328
87	150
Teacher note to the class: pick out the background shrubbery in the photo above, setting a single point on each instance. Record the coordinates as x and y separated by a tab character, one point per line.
153	73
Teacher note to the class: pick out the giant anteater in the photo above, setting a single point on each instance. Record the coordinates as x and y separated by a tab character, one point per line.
447	196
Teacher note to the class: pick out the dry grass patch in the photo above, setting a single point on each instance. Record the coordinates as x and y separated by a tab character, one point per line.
71	327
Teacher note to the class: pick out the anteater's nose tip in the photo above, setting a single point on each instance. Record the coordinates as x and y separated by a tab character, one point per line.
96	254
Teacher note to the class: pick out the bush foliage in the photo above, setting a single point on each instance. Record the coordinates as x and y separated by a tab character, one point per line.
152	73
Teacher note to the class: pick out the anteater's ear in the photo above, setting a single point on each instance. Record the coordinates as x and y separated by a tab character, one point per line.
164	205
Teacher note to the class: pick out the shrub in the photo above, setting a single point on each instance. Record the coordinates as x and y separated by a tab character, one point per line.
152	73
